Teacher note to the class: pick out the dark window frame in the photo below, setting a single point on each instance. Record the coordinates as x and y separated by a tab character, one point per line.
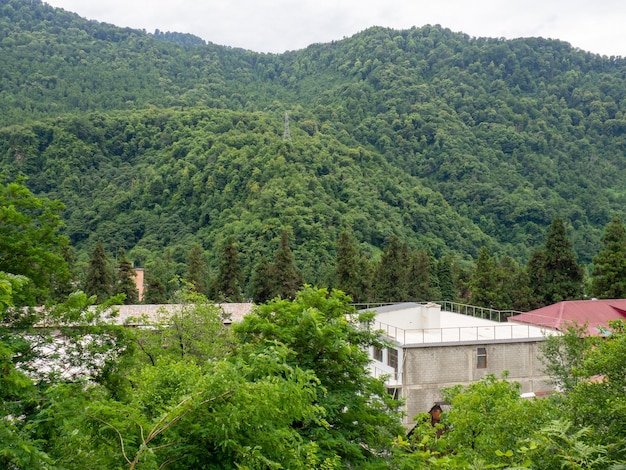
378	354
481	358
392	359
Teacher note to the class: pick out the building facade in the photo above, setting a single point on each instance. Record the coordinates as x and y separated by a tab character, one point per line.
429	349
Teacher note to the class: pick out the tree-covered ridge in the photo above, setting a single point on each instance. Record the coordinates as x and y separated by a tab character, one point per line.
152	180
56	62
506	134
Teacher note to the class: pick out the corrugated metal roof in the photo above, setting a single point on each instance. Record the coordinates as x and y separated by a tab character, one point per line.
594	313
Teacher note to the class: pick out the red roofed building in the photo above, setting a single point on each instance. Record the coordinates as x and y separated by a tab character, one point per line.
594	313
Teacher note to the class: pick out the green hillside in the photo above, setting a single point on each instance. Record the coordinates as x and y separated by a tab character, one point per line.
153	179
446	141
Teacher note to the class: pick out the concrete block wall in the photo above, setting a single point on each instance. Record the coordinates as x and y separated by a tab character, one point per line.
428	369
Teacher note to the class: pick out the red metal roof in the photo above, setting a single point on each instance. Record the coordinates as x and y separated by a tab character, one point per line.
595	313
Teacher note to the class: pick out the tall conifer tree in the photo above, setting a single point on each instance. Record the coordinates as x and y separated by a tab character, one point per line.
99	279
197	269
419	281
445	279
554	273
286	276
262	286
351	269
391	275
125	282
230	276
609	265
155	292
483	281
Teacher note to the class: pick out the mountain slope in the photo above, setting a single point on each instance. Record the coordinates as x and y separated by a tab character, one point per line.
149	180
448	141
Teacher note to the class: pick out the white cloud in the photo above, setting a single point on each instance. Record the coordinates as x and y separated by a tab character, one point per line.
279	25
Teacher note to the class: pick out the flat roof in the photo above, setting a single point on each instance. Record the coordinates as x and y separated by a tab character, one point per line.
455	328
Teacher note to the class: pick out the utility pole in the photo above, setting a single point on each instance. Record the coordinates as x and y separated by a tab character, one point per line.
286	134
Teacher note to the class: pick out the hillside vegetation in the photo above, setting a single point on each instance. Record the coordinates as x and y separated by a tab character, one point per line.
448	142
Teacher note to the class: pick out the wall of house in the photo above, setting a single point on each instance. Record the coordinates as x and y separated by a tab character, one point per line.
428	369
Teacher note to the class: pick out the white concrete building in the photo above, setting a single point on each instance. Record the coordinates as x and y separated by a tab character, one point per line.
431	348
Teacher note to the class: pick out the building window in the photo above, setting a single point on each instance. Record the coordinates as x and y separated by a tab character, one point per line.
378	354
392	359
481	358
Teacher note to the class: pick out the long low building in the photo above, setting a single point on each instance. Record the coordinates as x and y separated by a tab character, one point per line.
136	315
431	349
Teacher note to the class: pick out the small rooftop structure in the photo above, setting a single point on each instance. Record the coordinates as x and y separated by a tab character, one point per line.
595	313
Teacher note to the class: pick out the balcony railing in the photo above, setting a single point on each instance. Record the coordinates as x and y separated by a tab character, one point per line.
507	331
479	312
453	307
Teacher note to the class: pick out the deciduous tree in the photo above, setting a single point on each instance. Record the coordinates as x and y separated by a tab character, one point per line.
325	336
31	245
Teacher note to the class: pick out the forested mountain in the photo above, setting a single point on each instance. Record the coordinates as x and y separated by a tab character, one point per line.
160	142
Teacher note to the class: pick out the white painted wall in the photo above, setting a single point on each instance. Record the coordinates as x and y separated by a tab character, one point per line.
422	316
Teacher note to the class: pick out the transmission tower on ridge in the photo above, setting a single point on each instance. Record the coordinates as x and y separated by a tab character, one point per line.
286	134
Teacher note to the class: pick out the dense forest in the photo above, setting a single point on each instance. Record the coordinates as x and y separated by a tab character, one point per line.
393	165
158	143
288	386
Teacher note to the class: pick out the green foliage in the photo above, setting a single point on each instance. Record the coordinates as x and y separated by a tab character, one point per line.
447	142
228	284
262	288
285	275
423	279
499	284
360	418
125	282
490	415
598	399
562	445
392	274
99	279
609	265
430	140
197	269
483	283
10	284
194	331
352	271
445	279
564	354
553	271
31	245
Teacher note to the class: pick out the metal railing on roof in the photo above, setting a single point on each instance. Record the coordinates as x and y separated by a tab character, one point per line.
479	312
504	332
453	307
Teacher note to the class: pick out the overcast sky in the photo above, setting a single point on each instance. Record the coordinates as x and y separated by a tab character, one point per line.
597	26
